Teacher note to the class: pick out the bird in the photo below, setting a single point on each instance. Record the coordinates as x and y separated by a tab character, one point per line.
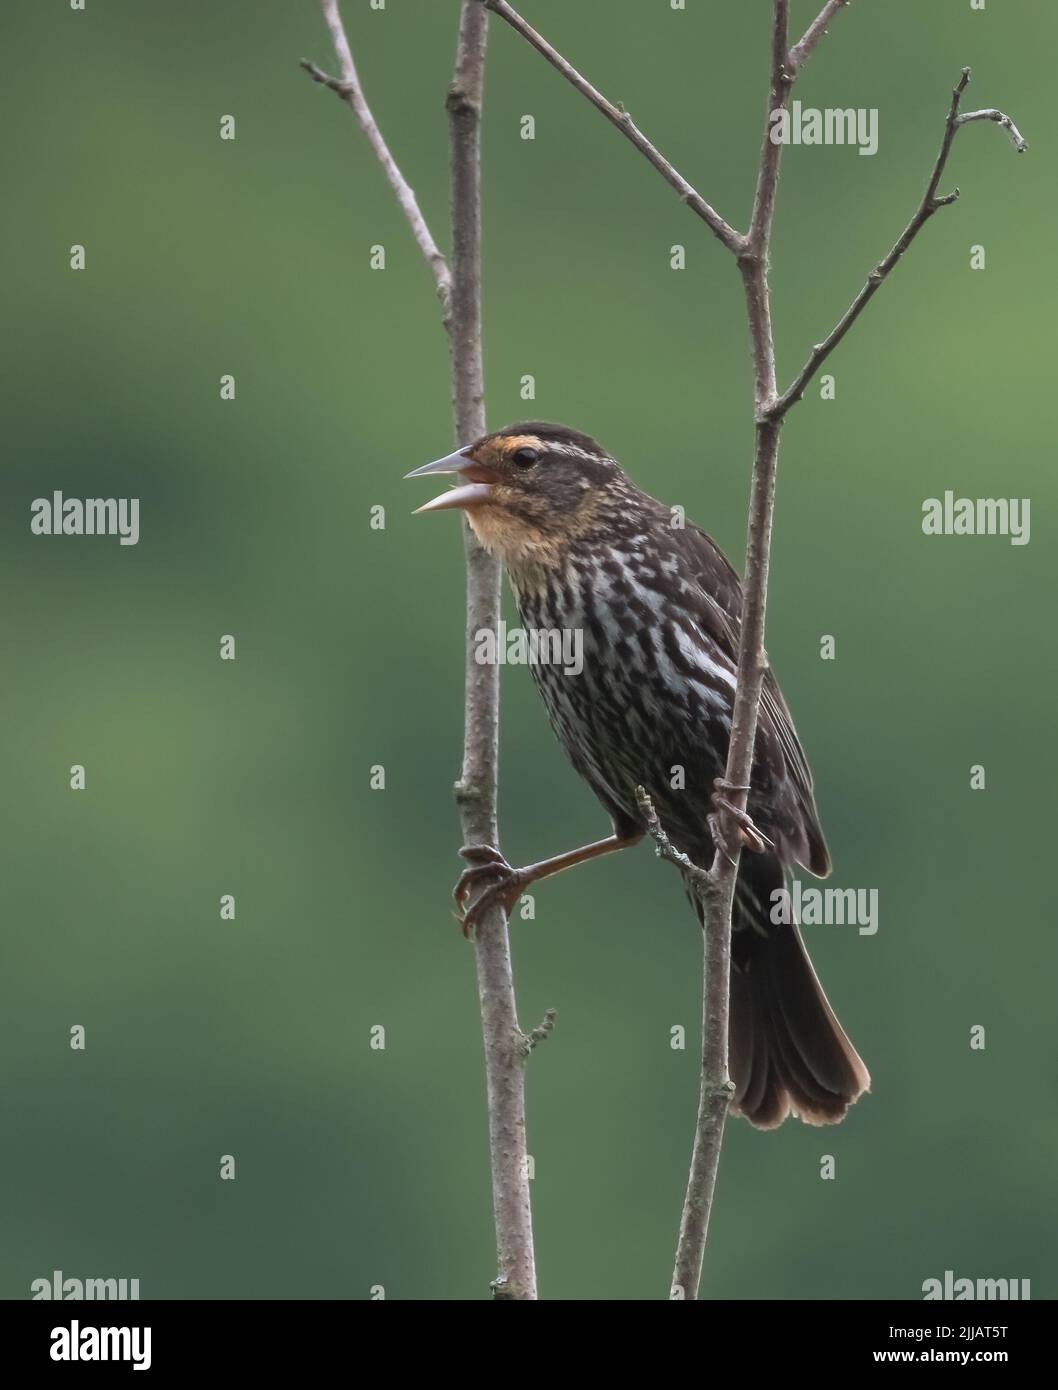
658	607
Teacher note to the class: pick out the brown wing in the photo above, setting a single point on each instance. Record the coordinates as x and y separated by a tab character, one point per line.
720	592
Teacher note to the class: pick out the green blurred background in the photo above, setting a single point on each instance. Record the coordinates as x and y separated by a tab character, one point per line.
358	1167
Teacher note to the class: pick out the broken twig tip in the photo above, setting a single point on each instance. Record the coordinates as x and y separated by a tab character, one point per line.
542	1031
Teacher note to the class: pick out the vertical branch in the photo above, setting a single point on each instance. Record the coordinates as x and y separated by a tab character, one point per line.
459	290
476	790
718	888
463	104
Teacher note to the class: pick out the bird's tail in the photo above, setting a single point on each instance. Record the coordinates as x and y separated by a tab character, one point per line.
788	1052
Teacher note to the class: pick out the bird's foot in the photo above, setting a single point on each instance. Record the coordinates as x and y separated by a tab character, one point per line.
749	834
504	886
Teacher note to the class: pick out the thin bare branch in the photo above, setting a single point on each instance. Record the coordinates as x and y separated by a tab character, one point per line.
715	1093
716	1089
754	262
803	48
717	892
931	203
476	791
506	1046
352	93
463	104
620	118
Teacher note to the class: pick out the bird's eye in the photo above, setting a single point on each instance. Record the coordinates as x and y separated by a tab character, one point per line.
525	458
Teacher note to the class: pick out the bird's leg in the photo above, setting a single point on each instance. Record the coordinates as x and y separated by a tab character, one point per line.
750	834
511	883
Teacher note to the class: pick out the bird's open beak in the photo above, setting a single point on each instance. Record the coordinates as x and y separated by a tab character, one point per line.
475	490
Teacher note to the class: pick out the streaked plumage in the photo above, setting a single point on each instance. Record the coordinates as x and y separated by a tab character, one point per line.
658	606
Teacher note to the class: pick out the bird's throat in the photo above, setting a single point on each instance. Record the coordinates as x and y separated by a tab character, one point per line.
520	548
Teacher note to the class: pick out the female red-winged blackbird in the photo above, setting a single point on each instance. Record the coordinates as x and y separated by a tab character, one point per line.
658	607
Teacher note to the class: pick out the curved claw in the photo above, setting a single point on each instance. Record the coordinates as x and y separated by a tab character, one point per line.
487	854
472	877
505	891
749	833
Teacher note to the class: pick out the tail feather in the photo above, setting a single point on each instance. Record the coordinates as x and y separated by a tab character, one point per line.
789	1055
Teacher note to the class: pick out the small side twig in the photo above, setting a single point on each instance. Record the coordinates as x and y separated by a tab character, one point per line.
801	51
343	89
699	878
542	1031
1001	118
931	203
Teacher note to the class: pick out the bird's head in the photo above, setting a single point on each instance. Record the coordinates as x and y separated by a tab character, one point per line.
530	489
